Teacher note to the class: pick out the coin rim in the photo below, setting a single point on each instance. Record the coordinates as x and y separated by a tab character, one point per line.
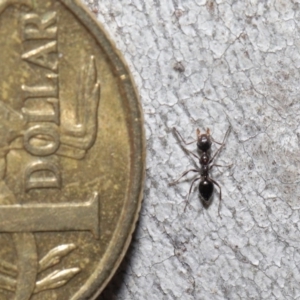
138	148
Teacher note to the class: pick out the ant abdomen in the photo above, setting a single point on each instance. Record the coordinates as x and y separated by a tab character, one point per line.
206	189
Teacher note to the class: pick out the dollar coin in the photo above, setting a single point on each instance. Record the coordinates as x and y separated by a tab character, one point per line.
72	152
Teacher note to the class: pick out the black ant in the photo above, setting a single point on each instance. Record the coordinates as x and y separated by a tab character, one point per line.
206	185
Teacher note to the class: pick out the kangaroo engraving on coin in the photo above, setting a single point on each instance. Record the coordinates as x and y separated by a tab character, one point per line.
71	152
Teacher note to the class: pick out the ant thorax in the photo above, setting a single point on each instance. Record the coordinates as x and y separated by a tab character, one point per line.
204	171
204	159
204	162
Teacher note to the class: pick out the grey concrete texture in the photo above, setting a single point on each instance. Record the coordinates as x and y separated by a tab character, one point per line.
208	64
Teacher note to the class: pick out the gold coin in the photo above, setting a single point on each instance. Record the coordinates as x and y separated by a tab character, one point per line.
71	152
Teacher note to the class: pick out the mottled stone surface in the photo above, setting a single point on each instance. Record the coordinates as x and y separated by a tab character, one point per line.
203	64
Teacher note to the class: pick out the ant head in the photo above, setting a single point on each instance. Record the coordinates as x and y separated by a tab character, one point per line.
203	140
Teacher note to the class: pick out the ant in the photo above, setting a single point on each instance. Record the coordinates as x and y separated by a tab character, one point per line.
206	185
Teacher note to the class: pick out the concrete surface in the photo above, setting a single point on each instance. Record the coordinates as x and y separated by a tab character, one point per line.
201	64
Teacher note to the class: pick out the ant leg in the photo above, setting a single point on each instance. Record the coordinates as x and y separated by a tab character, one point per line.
190	152
213	181
215	141
216	153
222	145
183	174
222	166
182	139
187	201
